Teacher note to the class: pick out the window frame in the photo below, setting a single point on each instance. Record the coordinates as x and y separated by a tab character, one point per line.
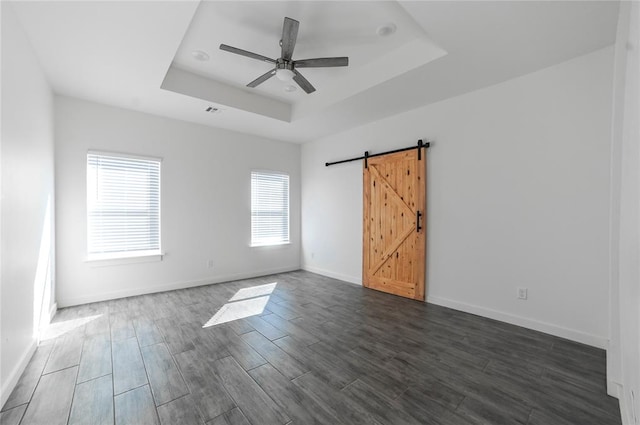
124	257
252	243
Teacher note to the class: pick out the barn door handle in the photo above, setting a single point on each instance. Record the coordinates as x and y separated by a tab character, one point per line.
418	215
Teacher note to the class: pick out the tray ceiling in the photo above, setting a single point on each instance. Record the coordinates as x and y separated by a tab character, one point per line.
138	55
326	29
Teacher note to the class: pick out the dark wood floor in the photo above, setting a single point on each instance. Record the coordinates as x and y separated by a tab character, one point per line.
316	351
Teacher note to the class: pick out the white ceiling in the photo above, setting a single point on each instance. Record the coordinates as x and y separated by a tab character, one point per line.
137	55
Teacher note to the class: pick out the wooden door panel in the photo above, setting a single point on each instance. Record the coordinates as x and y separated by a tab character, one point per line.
407	290
396	274
393	248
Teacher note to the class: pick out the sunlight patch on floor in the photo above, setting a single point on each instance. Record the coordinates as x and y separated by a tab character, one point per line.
56	329
246	302
254	291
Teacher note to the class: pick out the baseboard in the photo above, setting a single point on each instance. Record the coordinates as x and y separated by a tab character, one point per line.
614	389
52	311
105	296
625	412
573	335
340	276
548	328
16	373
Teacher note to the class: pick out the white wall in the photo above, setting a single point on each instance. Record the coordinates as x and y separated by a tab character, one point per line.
205	202
623	358
27	193
518	195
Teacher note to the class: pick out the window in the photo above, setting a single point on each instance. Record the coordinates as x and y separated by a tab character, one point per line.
123	206
269	208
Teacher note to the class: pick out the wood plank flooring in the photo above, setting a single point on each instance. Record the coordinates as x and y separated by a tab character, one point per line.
300	348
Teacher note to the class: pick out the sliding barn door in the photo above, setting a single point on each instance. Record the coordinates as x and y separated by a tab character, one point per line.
394	224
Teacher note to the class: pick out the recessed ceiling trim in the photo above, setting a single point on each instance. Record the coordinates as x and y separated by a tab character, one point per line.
190	84
372	74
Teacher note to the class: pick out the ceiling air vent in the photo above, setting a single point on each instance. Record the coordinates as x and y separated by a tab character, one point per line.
213	110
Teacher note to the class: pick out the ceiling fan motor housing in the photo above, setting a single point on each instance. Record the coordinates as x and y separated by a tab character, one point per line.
284	64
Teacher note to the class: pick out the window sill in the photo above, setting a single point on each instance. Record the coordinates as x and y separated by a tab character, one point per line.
98	260
267	245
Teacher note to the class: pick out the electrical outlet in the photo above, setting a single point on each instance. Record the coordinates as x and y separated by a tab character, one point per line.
210	264
522	293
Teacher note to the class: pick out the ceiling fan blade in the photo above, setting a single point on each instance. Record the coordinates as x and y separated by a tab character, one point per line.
321	62
303	83
289	36
261	79
246	53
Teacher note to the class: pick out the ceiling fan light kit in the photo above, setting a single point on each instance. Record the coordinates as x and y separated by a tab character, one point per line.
284	74
285	66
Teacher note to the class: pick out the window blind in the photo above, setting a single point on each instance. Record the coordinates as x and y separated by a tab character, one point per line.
269	208
123	205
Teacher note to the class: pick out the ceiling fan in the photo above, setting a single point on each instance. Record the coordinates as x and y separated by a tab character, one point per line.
285	67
